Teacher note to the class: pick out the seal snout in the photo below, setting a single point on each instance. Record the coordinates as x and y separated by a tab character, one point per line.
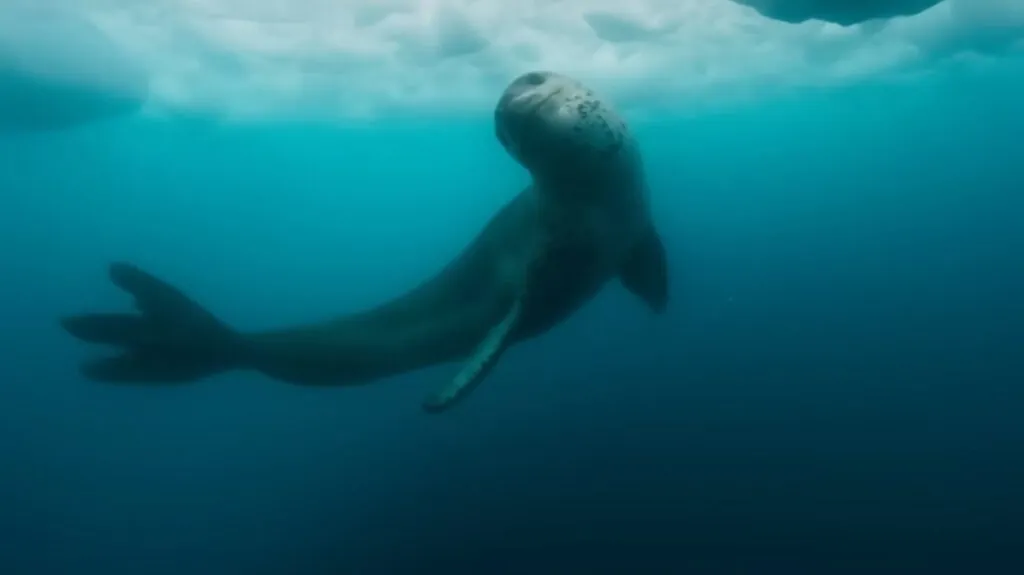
526	96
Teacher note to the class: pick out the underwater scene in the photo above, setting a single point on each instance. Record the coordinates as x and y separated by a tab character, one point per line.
481	287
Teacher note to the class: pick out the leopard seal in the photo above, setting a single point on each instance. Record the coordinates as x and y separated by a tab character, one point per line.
583	221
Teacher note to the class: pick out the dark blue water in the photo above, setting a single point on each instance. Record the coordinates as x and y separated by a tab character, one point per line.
837	387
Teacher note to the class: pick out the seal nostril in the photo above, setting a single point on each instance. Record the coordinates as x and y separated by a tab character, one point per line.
534	78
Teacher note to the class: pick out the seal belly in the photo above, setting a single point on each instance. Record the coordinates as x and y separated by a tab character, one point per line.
442	320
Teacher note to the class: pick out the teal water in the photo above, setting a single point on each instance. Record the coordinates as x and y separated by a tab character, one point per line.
838	384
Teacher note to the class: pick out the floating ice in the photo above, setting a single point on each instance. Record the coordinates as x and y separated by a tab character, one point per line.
59	71
257	59
845	12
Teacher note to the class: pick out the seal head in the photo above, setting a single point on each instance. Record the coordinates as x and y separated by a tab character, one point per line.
565	134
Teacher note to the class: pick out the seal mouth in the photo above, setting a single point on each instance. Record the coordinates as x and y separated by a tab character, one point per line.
519	119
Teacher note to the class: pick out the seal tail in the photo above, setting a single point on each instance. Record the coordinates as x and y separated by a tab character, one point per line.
171	339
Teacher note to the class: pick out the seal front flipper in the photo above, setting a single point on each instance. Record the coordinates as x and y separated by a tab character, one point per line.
171	340
479	364
645	271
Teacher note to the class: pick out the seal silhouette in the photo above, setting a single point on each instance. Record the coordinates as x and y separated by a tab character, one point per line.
583	221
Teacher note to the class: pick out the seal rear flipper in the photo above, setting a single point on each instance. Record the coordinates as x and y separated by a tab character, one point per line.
479	364
645	271
171	340
136	367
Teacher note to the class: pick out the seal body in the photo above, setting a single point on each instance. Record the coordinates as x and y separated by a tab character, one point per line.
584	220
